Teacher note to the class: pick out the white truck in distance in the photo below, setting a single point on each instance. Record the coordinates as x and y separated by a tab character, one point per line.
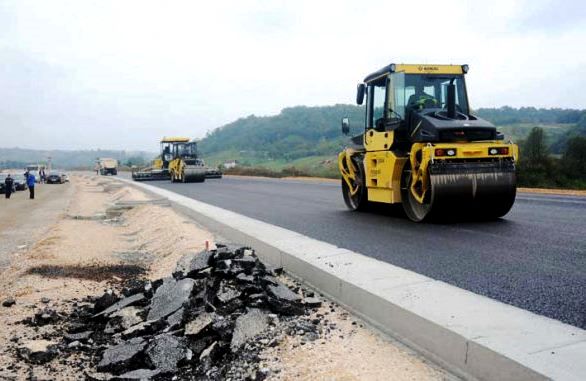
107	166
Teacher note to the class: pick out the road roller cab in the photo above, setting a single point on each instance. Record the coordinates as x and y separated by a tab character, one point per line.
422	147
184	164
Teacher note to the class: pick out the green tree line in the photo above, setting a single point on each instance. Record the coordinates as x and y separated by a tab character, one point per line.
537	168
20	157
509	115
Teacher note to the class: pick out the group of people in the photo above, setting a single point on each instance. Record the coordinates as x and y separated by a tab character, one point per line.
30	182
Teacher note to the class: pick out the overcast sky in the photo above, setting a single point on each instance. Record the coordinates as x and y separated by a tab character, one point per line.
121	74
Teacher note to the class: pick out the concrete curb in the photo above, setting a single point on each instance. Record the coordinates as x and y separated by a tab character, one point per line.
471	335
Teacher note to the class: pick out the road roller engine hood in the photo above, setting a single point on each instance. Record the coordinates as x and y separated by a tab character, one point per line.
434	126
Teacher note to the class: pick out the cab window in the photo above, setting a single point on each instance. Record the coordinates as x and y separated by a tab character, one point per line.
400	94
376	104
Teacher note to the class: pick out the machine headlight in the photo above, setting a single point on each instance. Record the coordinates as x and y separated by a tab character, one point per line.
465	68
498	151
445	152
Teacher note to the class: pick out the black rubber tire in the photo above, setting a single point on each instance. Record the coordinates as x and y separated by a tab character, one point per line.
358	202
415	211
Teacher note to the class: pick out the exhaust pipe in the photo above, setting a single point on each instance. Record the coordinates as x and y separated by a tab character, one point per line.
452	100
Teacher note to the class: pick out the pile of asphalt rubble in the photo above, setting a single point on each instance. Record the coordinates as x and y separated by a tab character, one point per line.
210	320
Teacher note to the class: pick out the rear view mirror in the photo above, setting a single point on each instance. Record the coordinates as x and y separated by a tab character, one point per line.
345	125
360	93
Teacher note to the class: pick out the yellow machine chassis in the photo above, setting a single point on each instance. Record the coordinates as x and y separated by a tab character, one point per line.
175	168
384	169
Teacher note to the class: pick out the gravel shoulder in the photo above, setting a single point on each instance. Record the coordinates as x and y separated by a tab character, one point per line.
95	233
82	251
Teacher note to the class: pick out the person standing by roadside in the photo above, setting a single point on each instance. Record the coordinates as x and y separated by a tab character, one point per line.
9	186
30	181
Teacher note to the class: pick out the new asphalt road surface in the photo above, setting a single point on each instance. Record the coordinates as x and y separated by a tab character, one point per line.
533	258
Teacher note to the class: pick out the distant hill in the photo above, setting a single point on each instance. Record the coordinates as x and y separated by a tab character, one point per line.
579	130
294	133
298	134
508	115
18	157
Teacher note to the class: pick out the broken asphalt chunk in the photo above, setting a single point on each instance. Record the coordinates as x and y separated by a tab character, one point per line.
142	329
170	297
166	351
139	374
97	376
245	278
227	293
246	262
9	302
125	318
190	265
38	351
200	323
207	356
120	357
199	262
105	301
285	301
124	302
312	302
248	326
223	253
44	317
175	318
80	336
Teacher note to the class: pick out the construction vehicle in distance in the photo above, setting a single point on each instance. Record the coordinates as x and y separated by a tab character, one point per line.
422	147
213	173
107	166
177	162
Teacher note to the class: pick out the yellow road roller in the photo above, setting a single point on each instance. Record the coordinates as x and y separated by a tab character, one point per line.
422	147
178	162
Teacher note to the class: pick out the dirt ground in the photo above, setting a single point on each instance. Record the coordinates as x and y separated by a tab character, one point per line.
87	236
24	221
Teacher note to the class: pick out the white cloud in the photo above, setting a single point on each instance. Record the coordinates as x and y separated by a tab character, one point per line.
120	74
